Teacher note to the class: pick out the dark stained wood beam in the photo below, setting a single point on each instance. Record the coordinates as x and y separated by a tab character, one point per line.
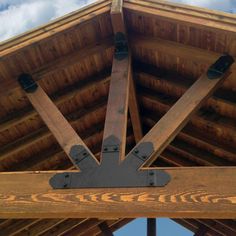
210	194
56	122
134	111
178	116
105	229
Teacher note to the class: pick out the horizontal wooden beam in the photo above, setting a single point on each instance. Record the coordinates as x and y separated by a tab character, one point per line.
202	192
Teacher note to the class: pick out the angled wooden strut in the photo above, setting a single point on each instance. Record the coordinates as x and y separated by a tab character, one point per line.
159	137
56	122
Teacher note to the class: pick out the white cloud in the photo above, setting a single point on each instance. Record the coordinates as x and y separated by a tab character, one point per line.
222	5
18	16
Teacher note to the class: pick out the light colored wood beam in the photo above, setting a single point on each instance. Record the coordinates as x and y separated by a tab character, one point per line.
56	122
177	117
117	107
210	194
117	17
188	15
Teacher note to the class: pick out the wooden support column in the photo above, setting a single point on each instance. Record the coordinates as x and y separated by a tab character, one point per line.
210	194
117	107
151	226
177	117
105	229
56	122
119	96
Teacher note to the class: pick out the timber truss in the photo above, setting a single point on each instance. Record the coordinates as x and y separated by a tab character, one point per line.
95	185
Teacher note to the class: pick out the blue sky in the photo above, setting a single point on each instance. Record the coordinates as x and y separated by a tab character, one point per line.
18	16
165	227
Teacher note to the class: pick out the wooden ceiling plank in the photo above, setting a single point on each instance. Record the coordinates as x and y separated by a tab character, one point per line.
175	49
206	196
39	226
79	88
179	114
80	229
8	86
57	124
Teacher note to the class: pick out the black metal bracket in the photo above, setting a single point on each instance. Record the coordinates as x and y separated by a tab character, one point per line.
220	67
121	46
110	173
27	83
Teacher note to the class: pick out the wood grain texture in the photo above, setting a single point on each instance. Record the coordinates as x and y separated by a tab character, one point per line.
118	99
192	193
56	122
174	12
134	110
176	118
117	17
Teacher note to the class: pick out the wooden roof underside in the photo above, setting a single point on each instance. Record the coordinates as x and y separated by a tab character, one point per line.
172	46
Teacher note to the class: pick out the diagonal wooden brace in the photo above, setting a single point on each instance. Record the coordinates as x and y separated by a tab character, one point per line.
177	117
55	121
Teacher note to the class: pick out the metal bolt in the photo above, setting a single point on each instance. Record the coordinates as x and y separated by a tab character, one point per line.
151	173
65	185
85	153
144	157
115	148
136	151
105	149
67	176
151	183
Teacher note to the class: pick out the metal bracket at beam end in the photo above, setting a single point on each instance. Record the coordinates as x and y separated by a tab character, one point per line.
27	83
110	173
220	67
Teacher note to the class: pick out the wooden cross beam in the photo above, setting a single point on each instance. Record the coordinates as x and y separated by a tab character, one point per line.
200	192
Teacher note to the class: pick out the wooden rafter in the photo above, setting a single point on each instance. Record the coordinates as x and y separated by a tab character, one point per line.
177	117
29	195
58	64
56	122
